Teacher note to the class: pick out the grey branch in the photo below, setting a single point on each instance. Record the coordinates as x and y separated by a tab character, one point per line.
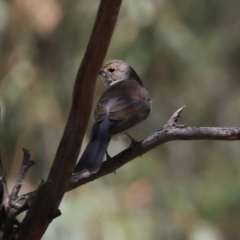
9	205
26	165
170	132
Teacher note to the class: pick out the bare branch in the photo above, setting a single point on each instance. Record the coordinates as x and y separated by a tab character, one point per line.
7	219
170	132
26	164
8	210
68	150
174	118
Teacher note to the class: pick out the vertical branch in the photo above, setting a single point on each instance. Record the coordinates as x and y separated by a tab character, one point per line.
50	194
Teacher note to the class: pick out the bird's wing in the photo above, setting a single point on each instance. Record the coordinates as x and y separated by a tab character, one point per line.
101	110
123	113
126	113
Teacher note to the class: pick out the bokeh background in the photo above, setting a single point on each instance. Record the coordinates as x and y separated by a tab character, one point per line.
187	53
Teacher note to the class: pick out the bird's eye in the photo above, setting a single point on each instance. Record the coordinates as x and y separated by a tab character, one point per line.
111	70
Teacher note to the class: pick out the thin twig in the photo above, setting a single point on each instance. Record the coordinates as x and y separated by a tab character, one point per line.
26	165
8	211
174	118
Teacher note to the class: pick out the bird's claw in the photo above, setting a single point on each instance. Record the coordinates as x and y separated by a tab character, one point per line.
133	141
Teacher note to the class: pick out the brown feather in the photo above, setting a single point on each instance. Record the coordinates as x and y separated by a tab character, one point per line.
132	105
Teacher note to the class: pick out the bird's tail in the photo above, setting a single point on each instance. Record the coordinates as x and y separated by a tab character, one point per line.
92	157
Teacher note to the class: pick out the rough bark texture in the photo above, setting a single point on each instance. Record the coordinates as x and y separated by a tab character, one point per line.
42	212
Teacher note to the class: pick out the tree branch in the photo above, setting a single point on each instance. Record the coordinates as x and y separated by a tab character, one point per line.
56	185
26	164
170	132
4	196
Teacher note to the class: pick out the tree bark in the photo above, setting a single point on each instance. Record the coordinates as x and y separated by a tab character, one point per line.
44	209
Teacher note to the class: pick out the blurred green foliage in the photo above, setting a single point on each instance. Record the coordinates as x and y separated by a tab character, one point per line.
187	53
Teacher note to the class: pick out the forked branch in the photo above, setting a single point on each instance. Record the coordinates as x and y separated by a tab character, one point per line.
170	132
26	164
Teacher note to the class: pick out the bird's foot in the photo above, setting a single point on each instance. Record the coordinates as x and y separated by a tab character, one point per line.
133	141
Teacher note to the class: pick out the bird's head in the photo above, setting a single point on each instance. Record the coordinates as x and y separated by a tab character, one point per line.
114	71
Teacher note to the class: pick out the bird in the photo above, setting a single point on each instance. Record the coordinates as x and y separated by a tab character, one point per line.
123	106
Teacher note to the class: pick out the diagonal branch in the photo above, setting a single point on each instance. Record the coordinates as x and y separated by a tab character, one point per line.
170	132
8	210
45	207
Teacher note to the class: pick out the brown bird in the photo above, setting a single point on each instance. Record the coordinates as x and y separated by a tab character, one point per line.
124	105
